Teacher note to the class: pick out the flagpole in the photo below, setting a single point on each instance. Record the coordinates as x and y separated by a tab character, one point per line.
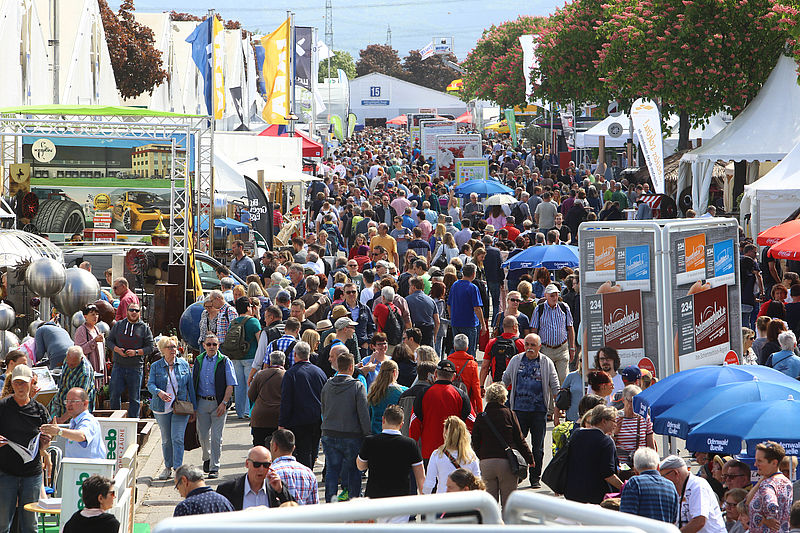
211	226
292	49
314	80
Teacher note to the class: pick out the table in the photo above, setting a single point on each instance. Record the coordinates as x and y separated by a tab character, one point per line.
33	507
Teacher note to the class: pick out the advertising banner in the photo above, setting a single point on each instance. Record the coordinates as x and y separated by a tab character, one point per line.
73	473
429	129
703	328
615	319
452	147
690	254
632	269
413	125
601	255
529	61
647	125
471	169
303	37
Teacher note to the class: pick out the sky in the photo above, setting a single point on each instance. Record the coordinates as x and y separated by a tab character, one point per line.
357	24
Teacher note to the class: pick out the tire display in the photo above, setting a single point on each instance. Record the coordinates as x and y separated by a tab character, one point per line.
59	216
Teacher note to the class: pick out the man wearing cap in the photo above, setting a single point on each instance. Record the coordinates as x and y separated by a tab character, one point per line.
432	407
631	375
344	336
20	482
552	321
84	437
699	509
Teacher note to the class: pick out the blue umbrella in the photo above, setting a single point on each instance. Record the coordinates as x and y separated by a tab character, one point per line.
682	417
753	423
680	386
482	188
552	256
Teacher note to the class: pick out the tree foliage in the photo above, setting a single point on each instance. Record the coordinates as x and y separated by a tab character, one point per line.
379	58
494	66
431	72
180	16
567	50
134	58
340	60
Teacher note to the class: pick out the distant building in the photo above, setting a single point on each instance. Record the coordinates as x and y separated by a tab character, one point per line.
152	160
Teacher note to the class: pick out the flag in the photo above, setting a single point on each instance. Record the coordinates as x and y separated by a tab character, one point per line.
201	55
303	37
427	51
338	127
351	124
323	52
455	85
275	70
511	119
647	125
219	66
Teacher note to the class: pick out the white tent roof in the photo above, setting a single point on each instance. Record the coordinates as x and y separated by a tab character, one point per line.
767	129
590	138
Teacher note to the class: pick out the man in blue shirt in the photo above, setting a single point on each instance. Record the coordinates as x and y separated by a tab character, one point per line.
84	437
785	360
422	310
466	308
241	265
199	498
648	494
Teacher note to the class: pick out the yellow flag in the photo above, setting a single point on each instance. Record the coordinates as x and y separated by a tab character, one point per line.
276	74
218	37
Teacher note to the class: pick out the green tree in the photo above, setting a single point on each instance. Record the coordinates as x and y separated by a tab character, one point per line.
494	66
340	60
695	57
134	58
379	58
431	72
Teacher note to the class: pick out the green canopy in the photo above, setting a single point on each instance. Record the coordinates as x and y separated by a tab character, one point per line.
58	109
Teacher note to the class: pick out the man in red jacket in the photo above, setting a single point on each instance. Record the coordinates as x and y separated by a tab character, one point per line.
500	350
466	371
434	405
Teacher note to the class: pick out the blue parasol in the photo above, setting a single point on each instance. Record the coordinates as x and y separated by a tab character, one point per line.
552	256
482	188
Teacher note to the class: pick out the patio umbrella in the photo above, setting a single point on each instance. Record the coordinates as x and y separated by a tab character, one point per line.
752	423
788	248
500	199
482	188
682	417
551	256
680	386
400	120
776	234
465	118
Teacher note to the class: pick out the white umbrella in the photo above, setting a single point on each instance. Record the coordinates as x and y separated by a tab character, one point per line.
500	199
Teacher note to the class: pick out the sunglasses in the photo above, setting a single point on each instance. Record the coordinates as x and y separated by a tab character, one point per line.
350	292
514	300
133	310
260	464
212	344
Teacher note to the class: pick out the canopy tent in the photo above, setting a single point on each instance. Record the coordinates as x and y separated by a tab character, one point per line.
591	137
229	176
466	118
767	130
311	148
772	198
400	120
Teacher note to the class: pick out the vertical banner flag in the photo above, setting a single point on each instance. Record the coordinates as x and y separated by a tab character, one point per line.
219	67
647	125
201	55
528	62
276	74
351	124
427	51
303	40
511	119
338	127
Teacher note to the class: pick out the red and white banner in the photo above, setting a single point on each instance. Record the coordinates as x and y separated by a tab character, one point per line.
647	125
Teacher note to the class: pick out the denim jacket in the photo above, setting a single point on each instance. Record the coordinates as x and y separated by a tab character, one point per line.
157	381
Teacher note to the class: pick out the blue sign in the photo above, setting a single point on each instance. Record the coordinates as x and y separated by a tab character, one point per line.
375	92
637	263
723	258
374	102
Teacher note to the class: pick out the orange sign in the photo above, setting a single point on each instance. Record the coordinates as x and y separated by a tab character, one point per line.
696	252
605	252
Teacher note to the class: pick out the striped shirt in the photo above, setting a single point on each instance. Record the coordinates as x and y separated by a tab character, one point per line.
81	376
633	432
553	324
299	480
224	318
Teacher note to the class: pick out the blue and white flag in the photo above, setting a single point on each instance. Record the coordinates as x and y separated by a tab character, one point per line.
201	54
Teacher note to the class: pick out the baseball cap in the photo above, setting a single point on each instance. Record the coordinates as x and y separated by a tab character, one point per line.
338	312
343	322
446	365
24	373
551	288
672	462
630	373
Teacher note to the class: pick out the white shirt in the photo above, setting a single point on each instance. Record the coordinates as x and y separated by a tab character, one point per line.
439	467
253	499
699	500
366	295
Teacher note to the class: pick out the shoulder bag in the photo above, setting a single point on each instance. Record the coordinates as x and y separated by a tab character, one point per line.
179	407
518	464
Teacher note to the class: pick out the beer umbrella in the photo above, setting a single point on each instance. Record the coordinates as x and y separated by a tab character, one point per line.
776	234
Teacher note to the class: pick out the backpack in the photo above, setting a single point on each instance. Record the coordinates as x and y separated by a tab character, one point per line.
518	214
502	351
234	345
403	283
393	327
540	309
458	382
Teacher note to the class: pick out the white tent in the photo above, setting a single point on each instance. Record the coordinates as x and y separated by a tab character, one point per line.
591	137
775	196
767	129
23	51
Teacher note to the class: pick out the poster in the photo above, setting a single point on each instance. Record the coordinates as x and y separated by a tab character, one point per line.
703	328
414	127
719	263
471	169
429	129
690	254
601	258
632	269
452	147
615	319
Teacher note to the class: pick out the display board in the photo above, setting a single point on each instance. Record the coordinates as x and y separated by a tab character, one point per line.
429	129
73	473
452	147
471	169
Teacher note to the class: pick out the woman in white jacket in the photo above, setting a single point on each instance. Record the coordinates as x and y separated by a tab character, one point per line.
456	452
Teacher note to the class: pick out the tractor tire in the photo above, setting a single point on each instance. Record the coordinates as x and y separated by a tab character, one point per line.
59	216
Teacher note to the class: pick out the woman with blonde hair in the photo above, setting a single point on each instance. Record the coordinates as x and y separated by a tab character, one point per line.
455	453
528	303
311	336
383	392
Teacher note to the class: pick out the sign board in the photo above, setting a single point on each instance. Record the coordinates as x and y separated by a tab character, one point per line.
43	150
703	328
429	129
615	129
118	434
414	125
615	319
73	473
102	219
442	45
19	178
471	169
376	94
452	147
614	109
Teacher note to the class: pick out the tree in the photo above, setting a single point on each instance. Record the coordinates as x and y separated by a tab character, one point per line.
179	16
340	60
431	72
379	58
134	58
494	66
567	53
696	57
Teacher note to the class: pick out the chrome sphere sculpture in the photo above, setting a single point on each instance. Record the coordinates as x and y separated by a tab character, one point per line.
45	277
80	288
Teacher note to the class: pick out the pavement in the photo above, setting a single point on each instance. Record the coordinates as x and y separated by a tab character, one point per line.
156	500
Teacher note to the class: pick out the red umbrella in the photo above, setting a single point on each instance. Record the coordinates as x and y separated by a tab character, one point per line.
466	118
401	120
786	249
775	234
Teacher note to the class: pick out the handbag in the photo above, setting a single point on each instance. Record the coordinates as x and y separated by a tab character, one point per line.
180	407
191	441
441	259
518	464
563	399
555	474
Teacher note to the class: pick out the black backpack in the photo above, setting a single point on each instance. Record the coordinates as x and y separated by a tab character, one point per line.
518	214
403	283
393	327
502	351
234	345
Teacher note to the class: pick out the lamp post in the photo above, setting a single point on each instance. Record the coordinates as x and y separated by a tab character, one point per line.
291	120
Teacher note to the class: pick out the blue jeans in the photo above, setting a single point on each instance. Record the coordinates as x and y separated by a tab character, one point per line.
340	461
242	370
15	492
173	428
536	422
472	335
494	294
129	379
